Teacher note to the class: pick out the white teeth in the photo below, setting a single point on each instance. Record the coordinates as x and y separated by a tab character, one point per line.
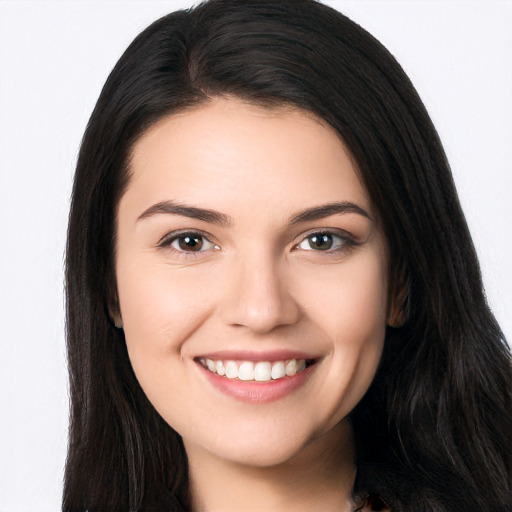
246	371
262	371
291	368
231	369
278	370
220	368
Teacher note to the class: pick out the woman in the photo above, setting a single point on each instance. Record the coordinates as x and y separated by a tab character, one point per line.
273	297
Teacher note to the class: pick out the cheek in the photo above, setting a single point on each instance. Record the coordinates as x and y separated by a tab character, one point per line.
362	307
161	308
349	300
349	308
357	322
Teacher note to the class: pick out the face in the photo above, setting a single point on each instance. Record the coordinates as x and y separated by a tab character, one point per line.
252	280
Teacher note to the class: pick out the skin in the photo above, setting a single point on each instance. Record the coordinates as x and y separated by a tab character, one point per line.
257	284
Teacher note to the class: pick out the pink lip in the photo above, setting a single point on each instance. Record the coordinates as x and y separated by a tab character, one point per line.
257	392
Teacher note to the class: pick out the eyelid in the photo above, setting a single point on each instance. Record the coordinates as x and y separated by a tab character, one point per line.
345	236
169	238
166	241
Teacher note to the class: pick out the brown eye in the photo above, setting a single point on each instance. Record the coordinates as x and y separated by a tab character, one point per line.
320	241
325	242
190	242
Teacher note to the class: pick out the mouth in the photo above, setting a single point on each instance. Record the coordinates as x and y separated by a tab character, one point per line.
256	377
260	371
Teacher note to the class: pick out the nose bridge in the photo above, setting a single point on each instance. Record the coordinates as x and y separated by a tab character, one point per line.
257	297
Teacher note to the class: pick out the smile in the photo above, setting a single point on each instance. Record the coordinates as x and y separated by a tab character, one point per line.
261	371
257	377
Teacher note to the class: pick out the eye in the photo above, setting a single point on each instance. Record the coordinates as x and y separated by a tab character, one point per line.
324	241
188	242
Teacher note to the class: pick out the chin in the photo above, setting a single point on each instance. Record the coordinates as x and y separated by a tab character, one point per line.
268	445
262	455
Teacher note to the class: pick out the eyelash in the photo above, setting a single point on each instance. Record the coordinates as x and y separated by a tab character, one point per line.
344	242
168	241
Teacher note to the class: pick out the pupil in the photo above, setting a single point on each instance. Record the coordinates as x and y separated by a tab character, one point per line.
321	242
190	243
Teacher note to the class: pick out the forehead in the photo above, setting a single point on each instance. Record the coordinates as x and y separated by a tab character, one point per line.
227	150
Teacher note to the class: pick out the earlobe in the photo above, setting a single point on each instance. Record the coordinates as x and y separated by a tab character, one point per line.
118	321
115	315
114	311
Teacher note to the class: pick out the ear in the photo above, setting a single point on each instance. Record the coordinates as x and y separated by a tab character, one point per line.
398	310
114	310
117	319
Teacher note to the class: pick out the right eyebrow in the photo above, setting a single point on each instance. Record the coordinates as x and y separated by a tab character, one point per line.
326	210
193	212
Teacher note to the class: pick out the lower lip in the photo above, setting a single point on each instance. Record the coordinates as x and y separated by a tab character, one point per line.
258	392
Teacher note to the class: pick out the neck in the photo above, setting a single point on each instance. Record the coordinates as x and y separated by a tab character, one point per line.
320	477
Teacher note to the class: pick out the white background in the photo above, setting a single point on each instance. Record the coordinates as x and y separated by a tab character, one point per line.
54	58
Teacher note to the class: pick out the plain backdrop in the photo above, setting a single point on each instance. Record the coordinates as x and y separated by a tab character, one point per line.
54	59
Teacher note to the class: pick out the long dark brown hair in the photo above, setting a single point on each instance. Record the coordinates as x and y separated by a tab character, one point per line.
434	431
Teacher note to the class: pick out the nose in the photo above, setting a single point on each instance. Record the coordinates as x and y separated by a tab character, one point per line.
257	296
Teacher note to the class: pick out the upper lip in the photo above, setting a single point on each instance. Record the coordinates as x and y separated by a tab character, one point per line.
255	356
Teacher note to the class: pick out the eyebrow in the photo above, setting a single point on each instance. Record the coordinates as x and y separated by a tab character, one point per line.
221	219
187	211
326	210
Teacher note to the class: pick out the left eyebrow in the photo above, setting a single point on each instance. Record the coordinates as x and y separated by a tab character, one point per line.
326	210
170	207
